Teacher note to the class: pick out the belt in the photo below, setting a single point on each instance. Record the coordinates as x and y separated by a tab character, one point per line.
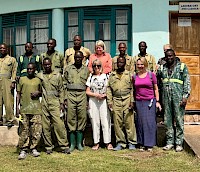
50	93
172	80
121	93
5	75
76	87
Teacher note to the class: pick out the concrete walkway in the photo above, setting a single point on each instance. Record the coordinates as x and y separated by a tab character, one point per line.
192	139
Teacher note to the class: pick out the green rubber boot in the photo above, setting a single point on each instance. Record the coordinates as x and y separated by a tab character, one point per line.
72	141
79	137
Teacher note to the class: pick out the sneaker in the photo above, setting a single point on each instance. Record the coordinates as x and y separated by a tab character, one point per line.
22	155
142	149
168	147
179	148
66	151
35	153
131	146
118	147
48	152
149	150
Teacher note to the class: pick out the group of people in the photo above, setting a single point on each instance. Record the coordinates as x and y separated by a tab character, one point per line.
81	82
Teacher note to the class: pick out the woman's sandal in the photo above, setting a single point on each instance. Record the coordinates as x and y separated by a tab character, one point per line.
109	146
95	147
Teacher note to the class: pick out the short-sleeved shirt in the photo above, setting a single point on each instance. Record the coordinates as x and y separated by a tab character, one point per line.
97	83
144	87
27	86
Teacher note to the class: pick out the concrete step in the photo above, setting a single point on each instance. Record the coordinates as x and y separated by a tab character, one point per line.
9	136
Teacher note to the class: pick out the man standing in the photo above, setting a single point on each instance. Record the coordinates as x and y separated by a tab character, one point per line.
25	59
150	59
28	105
69	53
56	57
120	100
175	90
52	105
8	68
75	77
122	53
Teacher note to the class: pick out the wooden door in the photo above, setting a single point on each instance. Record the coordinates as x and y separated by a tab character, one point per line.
186	43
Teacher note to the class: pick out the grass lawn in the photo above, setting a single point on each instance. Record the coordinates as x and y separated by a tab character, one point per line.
101	160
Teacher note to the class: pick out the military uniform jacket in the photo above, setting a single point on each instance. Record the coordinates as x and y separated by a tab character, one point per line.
178	82
119	88
129	63
8	68
150	59
57	60
75	79
23	62
52	88
69	55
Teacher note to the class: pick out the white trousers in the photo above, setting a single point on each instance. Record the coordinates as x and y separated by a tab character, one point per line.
100	115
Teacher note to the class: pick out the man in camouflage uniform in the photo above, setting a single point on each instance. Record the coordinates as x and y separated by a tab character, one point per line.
52	105
8	68
57	58
175	91
69	53
150	59
29	107
122	53
75	77
25	59
120	100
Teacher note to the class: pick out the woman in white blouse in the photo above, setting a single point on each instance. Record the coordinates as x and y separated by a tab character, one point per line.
98	110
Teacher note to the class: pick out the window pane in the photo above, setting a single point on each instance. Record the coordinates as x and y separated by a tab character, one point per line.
72	18
90	46
21	35
107	46
70	44
121	16
19	51
39	35
72	31
117	43
8	36
39	21
104	29
89	29
121	32
38	49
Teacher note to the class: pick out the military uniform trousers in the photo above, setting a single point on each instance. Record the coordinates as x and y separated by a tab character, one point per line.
76	112
51	119
123	117
173	112
7	99
100	115
31	130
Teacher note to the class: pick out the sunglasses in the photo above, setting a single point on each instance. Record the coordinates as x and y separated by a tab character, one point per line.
96	66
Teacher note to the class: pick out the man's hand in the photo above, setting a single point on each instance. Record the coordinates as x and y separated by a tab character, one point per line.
12	86
131	106
183	102
62	107
35	94
110	106
17	112
65	103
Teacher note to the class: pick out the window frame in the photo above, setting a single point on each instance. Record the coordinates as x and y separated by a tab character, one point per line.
112	19
27	25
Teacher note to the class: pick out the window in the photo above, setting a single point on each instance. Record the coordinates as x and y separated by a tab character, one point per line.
110	24
19	28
